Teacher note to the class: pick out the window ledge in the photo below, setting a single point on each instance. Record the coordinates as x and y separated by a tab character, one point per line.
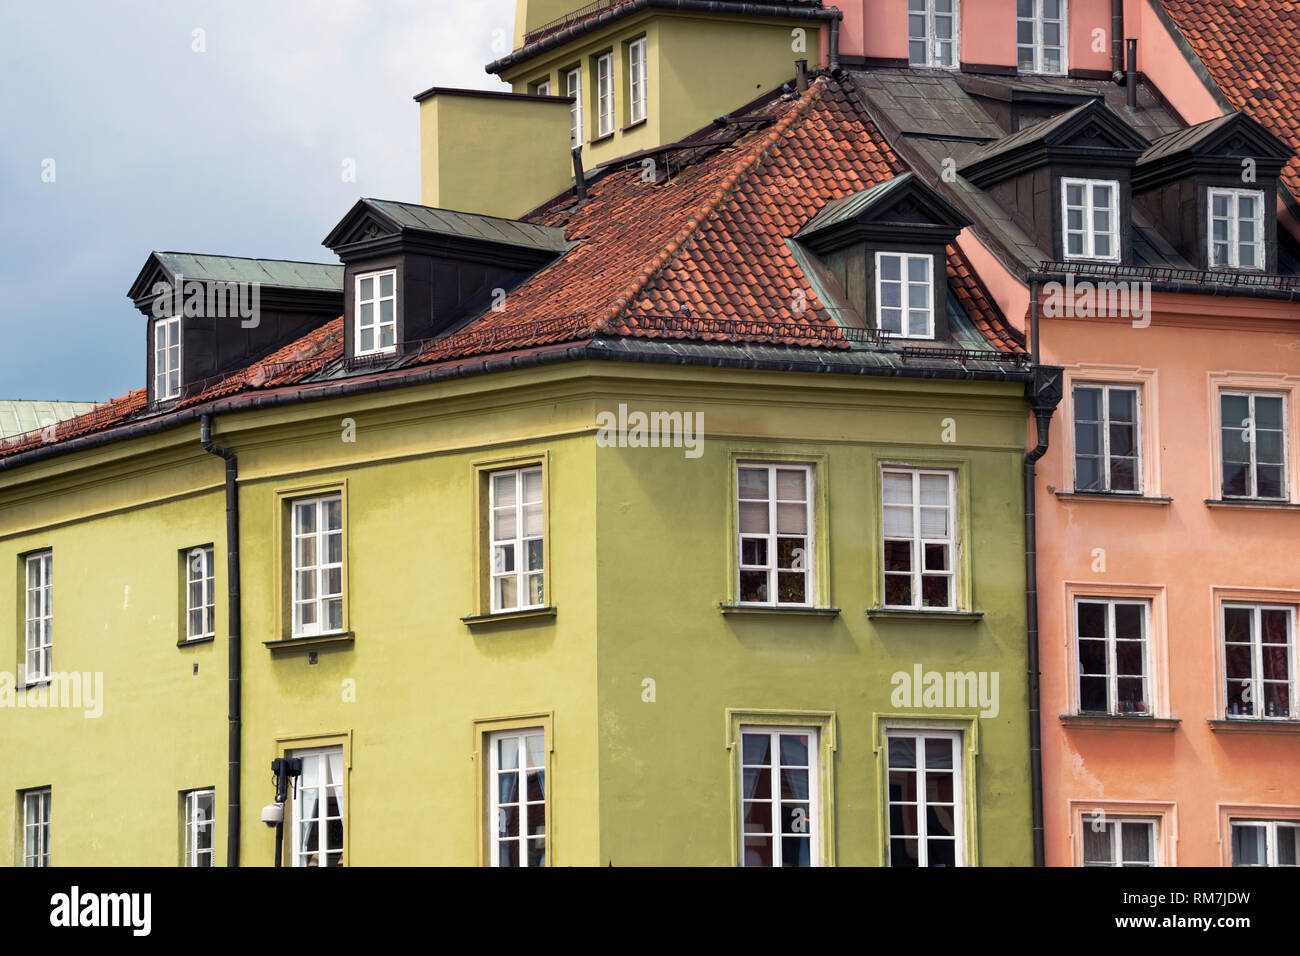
505	617
1254	725
1251	503
601	139
197	640
945	617
631	126
1119	722
315	640
1114	496
779	610
43	682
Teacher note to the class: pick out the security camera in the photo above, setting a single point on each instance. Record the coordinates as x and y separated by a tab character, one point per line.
273	814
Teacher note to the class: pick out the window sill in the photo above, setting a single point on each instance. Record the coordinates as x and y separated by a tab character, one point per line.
1114	496
43	682
1255	725
315	640
1250	503
601	139
505	617
197	640
938	617
779	610
1119	722
631	126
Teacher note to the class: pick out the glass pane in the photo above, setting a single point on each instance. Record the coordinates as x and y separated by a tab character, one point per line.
756	749
934	490
503	487
790	519
386	284
792	485
753	517
1248	845
898	522
753	483
897	488
1128	620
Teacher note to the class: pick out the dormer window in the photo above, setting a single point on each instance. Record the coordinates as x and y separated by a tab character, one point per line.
1040	36
932	33
1090	218
1236	222
376	313
167	359
905	294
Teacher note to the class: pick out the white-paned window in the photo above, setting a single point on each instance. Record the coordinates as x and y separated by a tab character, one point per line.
926	826
780	805
200	594
376	330
543	88
932	31
318	808
167	358
1120	841
39	615
573	88
920	539
317	565
36	827
1259	656
1107	438
518	545
200	807
517	809
1236	223
1265	842
639	93
1090	213
905	294
775	518
1040	36
605	94
1253	443
1114	656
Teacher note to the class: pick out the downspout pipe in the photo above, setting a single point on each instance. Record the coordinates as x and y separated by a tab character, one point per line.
1117	41
833	52
234	660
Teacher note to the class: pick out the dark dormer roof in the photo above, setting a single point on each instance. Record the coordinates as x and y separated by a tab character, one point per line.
902	208
1217	145
268	273
1090	134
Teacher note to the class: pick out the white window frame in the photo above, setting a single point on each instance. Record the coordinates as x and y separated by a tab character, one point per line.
1271	830
1234	220
38	628
1256	643
200	572
377	325
322	818
573	85
195	823
922	837
543	87
917	542
638	92
1253	473
167	359
814	814
527	808
604	95
320	569
1104	447
39	804
1040	48
772	536
520	541
905	285
931	37
1112	674
1115	827
1089	231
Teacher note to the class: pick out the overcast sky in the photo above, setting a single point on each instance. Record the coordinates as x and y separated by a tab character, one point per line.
236	150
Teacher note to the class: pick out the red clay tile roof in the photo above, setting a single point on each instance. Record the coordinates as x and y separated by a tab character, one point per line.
1252	50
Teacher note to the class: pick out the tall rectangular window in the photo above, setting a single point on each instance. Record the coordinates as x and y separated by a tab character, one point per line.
905	294
166	358
779	796
36	827
1259	655
376	329
1253	445
1107	438
543	88
605	94
317	565
1113	655
517	787
318	808
39	615
518	542
200	807
1265	843
932	33
1090	213
200	594
573	88
1236	223
639	96
1121	841
775	518
1040	36
920	539
925	798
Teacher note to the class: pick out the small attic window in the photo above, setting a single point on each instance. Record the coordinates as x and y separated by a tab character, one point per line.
1040	36
1090	219
1236	223
167	359
376	330
932	33
905	294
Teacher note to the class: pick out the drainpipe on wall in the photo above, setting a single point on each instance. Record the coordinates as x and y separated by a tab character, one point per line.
1117	41
833	53
235	663
1131	78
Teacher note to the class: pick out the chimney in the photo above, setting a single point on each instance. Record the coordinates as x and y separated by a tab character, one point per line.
800	76
1131	75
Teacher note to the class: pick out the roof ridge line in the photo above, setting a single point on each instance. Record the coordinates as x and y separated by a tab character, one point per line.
742	168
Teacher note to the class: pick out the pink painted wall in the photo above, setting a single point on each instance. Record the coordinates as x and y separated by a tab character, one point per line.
883	33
